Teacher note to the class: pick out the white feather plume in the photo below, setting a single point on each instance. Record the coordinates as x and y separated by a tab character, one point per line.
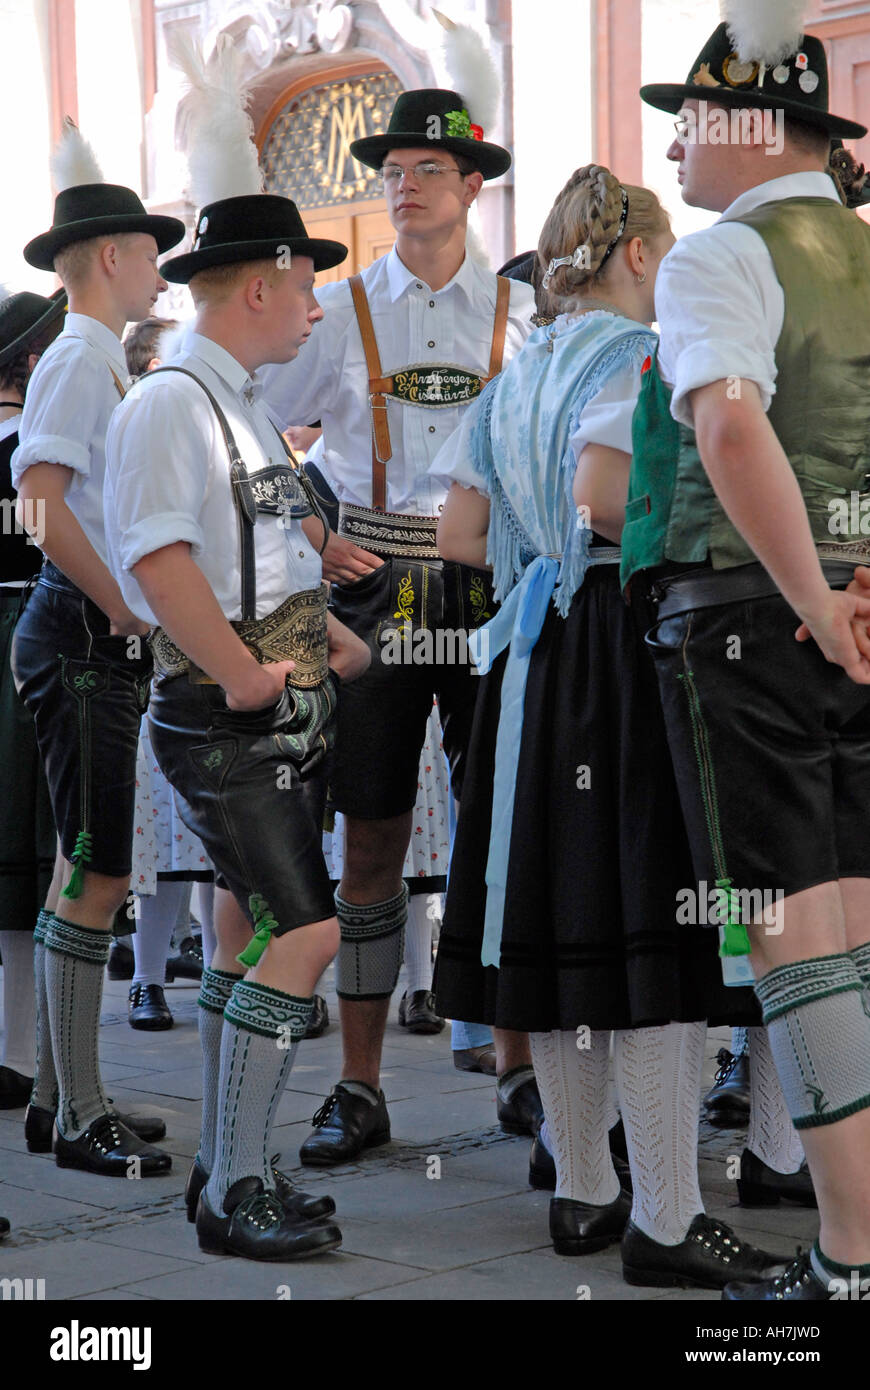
5	293
474	244
472	70
218	132
73	161
765	31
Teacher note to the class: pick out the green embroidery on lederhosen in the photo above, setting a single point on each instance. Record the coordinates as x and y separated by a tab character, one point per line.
82	682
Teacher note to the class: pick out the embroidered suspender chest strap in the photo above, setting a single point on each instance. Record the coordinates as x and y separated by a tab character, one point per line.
427	384
243	497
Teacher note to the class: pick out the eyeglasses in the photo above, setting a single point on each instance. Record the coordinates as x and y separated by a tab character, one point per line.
681	126
390	174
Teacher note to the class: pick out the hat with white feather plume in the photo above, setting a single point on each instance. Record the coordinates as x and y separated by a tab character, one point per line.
760	56
237	221
442	119
86	206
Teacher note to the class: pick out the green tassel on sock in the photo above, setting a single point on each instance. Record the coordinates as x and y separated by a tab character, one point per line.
264	925
80	857
735	938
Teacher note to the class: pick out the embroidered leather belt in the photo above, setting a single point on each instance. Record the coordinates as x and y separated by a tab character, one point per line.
708	588
389	533
294	632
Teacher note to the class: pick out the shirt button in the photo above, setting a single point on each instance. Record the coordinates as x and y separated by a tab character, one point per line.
302	555
431	342
431	303
431	429
419	286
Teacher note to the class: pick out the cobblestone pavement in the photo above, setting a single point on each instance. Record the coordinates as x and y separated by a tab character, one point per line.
443	1212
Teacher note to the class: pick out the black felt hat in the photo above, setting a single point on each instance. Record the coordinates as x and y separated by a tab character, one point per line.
252	227
98	209
798	85
24	318
430	116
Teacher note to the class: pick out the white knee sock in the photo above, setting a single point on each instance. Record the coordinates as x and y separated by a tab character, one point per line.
205	915
573	1087
19	1002
418	942
154	927
658	1079
772	1136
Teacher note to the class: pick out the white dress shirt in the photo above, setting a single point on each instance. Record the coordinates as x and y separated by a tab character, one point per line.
168	480
606	419
69	402
328	381
719	304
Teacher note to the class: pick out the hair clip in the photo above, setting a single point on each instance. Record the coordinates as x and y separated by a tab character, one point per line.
580	259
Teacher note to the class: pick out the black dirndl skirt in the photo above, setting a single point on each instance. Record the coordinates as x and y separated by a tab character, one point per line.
598	849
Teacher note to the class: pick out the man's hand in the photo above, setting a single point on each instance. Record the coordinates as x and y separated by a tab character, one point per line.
262	686
343	562
126	624
349	656
835	629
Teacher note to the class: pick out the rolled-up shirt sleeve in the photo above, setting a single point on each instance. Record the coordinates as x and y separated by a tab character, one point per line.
720	314
160	451
454	462
61	411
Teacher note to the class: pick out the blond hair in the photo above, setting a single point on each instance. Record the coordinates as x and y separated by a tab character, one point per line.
75	262
217	282
587	214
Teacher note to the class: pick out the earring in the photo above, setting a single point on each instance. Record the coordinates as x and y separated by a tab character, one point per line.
641	278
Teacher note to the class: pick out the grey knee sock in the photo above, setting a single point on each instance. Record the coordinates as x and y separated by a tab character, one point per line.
372	938
45	1088
75	958
262	1027
214	995
816	1014
861	959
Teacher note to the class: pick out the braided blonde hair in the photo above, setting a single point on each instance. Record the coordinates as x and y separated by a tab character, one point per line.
587	213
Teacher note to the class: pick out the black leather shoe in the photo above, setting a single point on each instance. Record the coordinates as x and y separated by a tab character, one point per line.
799	1283
4	1226
710	1257
106	1148
186	964
39	1123
257	1226
15	1089
542	1166
761	1186
148	1008
417	1014
727	1102
122	962
345	1125
302	1203
576	1228
477	1059
523	1113
319	1020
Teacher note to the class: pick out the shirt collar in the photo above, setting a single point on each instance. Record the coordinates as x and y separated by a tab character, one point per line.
222	362
100	337
400	278
811	184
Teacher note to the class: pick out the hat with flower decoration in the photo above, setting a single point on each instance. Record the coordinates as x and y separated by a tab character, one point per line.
444	119
760	56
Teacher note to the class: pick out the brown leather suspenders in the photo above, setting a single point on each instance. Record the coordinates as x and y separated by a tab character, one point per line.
380	386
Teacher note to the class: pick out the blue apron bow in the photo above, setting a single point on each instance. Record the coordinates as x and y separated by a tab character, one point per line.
517	624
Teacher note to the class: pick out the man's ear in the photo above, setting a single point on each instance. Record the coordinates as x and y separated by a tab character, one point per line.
473	185
255	293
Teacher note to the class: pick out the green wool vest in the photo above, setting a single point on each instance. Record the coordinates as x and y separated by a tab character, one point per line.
820	412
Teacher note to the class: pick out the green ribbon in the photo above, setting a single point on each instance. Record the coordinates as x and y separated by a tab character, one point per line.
81	855
735	938
264	924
